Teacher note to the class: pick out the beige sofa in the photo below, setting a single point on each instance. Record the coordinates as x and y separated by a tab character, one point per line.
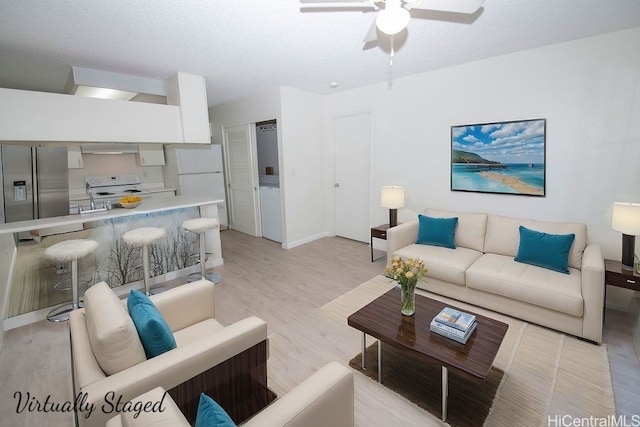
228	363
481	270
323	399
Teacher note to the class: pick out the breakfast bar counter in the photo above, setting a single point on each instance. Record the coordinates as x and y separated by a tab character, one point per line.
147	206
27	276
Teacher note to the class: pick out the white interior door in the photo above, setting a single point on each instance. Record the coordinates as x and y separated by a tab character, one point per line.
352	138
241	180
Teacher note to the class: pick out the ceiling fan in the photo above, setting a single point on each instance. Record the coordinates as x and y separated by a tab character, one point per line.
394	17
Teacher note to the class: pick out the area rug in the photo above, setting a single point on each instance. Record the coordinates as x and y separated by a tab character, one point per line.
468	403
538	374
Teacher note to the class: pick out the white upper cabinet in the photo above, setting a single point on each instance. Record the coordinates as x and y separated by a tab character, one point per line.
189	92
150	155
74	157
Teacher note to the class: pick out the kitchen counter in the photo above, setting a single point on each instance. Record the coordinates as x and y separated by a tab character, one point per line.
79	196
17	266
147	206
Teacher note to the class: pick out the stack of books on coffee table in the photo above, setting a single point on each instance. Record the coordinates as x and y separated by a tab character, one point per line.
454	324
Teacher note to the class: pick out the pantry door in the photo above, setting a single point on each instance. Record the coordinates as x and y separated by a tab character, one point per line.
241	180
352	139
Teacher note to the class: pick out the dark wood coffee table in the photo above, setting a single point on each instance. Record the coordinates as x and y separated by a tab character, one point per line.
382	320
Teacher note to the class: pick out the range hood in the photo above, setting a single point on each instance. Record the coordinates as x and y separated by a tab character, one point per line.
108	148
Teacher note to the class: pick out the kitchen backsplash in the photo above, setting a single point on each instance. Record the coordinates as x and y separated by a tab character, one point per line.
113	164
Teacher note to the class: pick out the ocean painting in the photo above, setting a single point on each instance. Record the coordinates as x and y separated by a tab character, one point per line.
506	157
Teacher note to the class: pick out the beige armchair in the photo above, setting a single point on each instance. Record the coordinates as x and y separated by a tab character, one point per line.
324	399
228	363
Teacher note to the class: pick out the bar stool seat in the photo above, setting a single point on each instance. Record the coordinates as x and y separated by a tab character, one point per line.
200	226
144	237
69	250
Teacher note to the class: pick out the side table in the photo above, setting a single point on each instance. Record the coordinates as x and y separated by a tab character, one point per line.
378	232
614	275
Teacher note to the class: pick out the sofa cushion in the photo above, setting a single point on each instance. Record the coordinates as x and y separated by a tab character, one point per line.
503	236
470	230
437	231
113	336
210	414
545	250
443	263
501	275
155	334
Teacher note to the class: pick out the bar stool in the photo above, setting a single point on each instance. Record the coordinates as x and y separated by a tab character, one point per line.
144	237
69	250
200	226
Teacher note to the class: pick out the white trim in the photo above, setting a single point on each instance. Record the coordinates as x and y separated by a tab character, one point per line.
305	240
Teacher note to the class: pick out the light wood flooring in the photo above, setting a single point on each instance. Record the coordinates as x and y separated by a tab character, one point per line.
284	287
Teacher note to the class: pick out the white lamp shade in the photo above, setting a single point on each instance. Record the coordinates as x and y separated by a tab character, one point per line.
392	196
626	218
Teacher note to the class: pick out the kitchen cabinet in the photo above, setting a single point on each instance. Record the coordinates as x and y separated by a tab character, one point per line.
150	155
74	157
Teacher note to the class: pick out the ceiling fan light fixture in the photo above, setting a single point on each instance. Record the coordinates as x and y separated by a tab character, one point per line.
393	20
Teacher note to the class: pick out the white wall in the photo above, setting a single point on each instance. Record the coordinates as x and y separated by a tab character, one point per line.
259	107
589	92
262	106
299	118
303	168
42	116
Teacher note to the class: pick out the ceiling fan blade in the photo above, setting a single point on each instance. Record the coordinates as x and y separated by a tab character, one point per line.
372	34
456	6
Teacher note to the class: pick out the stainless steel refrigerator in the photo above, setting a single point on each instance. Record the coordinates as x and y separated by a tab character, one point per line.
35	182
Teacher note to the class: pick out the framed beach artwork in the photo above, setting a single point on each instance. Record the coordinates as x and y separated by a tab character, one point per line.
503	158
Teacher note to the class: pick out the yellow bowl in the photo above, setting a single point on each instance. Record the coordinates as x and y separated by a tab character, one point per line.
129	205
129	202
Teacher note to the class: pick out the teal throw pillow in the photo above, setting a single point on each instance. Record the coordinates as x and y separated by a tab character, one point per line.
545	250
155	334
437	231
210	414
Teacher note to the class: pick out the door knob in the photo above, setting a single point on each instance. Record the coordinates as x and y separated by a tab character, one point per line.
336	185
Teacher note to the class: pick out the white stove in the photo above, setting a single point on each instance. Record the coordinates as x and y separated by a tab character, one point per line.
112	187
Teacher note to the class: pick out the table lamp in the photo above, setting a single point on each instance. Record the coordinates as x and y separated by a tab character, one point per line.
392	197
626	219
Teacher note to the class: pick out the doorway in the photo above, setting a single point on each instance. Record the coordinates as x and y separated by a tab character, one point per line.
242	186
352	139
269	180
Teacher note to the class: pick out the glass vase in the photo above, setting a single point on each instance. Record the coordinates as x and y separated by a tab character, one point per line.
408	297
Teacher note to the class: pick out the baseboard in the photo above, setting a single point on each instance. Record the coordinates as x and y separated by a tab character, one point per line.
217	262
305	240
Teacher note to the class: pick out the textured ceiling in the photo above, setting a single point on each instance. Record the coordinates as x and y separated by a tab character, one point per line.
242	46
